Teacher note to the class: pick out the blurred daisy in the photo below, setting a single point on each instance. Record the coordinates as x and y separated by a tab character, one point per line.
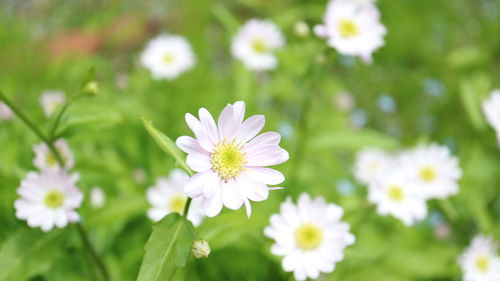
433	170
491	109
51	100
395	195
97	197
168	56
480	261
352	28
230	159
255	43
5	112
309	235
168	196
49	199
372	164
45	159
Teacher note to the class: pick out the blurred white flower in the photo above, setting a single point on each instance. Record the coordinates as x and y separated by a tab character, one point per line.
309	235
168	196
301	29
50	100
255	43
480	261
372	164
45	159
394	194
433	170
491	109
352	28
5	112
97	197
168	56
230	159
49	199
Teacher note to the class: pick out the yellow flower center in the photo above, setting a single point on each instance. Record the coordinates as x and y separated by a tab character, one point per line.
228	160
53	199
177	203
308	237
259	46
482	263
396	193
51	159
428	174
168	58
348	28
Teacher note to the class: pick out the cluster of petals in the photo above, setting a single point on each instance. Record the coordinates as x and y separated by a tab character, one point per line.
491	110
480	261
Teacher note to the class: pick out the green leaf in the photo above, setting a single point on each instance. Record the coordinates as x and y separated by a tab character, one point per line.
167	249
224	16
117	210
29	252
167	145
354	140
472	92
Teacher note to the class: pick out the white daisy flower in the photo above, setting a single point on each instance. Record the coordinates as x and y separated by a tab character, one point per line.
51	100
168	196
372	164
97	197
49	199
352	28
480	261
168	56
45	159
309	235
255	44
5	112
230	159
433	170
491	109
396	195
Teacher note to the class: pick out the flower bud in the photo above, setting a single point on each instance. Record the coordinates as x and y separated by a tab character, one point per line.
200	248
91	88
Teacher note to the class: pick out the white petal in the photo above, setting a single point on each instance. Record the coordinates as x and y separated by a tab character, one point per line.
212	206
189	145
198	162
250	128
265	175
231	196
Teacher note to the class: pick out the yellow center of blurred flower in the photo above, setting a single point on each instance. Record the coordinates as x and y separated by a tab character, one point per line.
428	174
308	237
53	199
348	28
177	203
396	193
259	46
51	159
168	58
482	263
228	160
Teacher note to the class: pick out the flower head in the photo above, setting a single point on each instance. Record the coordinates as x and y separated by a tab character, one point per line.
480	261
230	159
45	159
97	197
491	109
51	100
255	44
168	196
309	235
372	164
49	199
5	112
352	28
168	56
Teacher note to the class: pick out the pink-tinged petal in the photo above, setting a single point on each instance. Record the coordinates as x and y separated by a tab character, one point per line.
194	185
267	138
198	131
239	111
193	123
212	206
208	124
189	145
227	123
250	128
265	175
284	156
198	162
213	185
252	188
231	196
248	207
264	156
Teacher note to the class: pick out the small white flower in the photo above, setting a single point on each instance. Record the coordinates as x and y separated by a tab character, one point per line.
309	235
480	261
97	197
49	199
168	56
230	159
45	159
372	164
168	196
255	44
396	195
491	109
433	170
352	28
51	100
5	112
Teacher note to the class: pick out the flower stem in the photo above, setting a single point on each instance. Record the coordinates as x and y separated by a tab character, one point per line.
186	207
448	209
55	152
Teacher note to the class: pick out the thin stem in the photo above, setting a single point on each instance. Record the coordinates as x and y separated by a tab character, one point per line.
186	208
58	119
448	209
86	242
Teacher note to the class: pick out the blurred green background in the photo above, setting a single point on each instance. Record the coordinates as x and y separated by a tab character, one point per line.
440	61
